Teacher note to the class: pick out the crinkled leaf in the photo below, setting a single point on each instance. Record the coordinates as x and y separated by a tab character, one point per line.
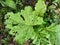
15	23
40	7
25	33
31	17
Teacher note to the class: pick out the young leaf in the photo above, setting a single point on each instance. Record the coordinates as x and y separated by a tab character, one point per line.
11	4
40	7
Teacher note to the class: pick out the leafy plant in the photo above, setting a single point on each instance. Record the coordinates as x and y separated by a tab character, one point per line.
23	22
38	23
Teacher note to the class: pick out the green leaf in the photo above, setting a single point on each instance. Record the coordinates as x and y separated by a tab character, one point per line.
31	17
11	4
54	31
40	7
21	31
27	16
57	29
25	33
